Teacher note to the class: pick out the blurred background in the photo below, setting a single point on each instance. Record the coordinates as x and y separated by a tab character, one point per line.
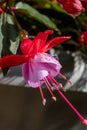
22	109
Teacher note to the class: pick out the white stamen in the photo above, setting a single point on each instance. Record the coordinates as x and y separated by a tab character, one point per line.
44	102
42	96
54	98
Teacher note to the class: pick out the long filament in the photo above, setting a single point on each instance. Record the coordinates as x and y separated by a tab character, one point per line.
54	81
64	77
41	92
49	88
84	121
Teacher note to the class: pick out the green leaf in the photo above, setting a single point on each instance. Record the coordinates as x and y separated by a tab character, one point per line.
9	35
41	1
55	6
33	13
52	5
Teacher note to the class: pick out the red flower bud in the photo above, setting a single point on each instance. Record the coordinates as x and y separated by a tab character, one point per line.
83	38
72	6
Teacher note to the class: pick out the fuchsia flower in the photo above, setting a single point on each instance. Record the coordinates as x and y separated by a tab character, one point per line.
73	7
40	67
83	38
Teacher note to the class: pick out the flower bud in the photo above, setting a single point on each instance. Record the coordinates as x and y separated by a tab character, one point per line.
83	38
73	7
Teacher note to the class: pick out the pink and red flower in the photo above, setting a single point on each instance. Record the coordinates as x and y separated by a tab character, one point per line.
36	63
40	67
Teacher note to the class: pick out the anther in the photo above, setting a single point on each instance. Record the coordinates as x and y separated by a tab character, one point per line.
54	98
84	122
54	82
44	101
48	85
62	87
52	88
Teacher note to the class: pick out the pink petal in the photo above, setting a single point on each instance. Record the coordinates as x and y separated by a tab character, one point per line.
53	42
46	58
12	60
49	62
36	69
33	72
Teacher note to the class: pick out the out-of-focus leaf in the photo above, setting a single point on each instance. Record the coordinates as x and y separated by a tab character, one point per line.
9	35
56	7
52	5
82	19
42	1
31	12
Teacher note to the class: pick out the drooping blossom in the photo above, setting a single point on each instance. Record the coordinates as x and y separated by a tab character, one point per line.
40	67
73	7
83	38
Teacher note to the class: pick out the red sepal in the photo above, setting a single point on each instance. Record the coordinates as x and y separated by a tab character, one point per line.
12	60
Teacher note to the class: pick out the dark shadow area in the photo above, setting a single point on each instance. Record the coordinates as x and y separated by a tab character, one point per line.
22	109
